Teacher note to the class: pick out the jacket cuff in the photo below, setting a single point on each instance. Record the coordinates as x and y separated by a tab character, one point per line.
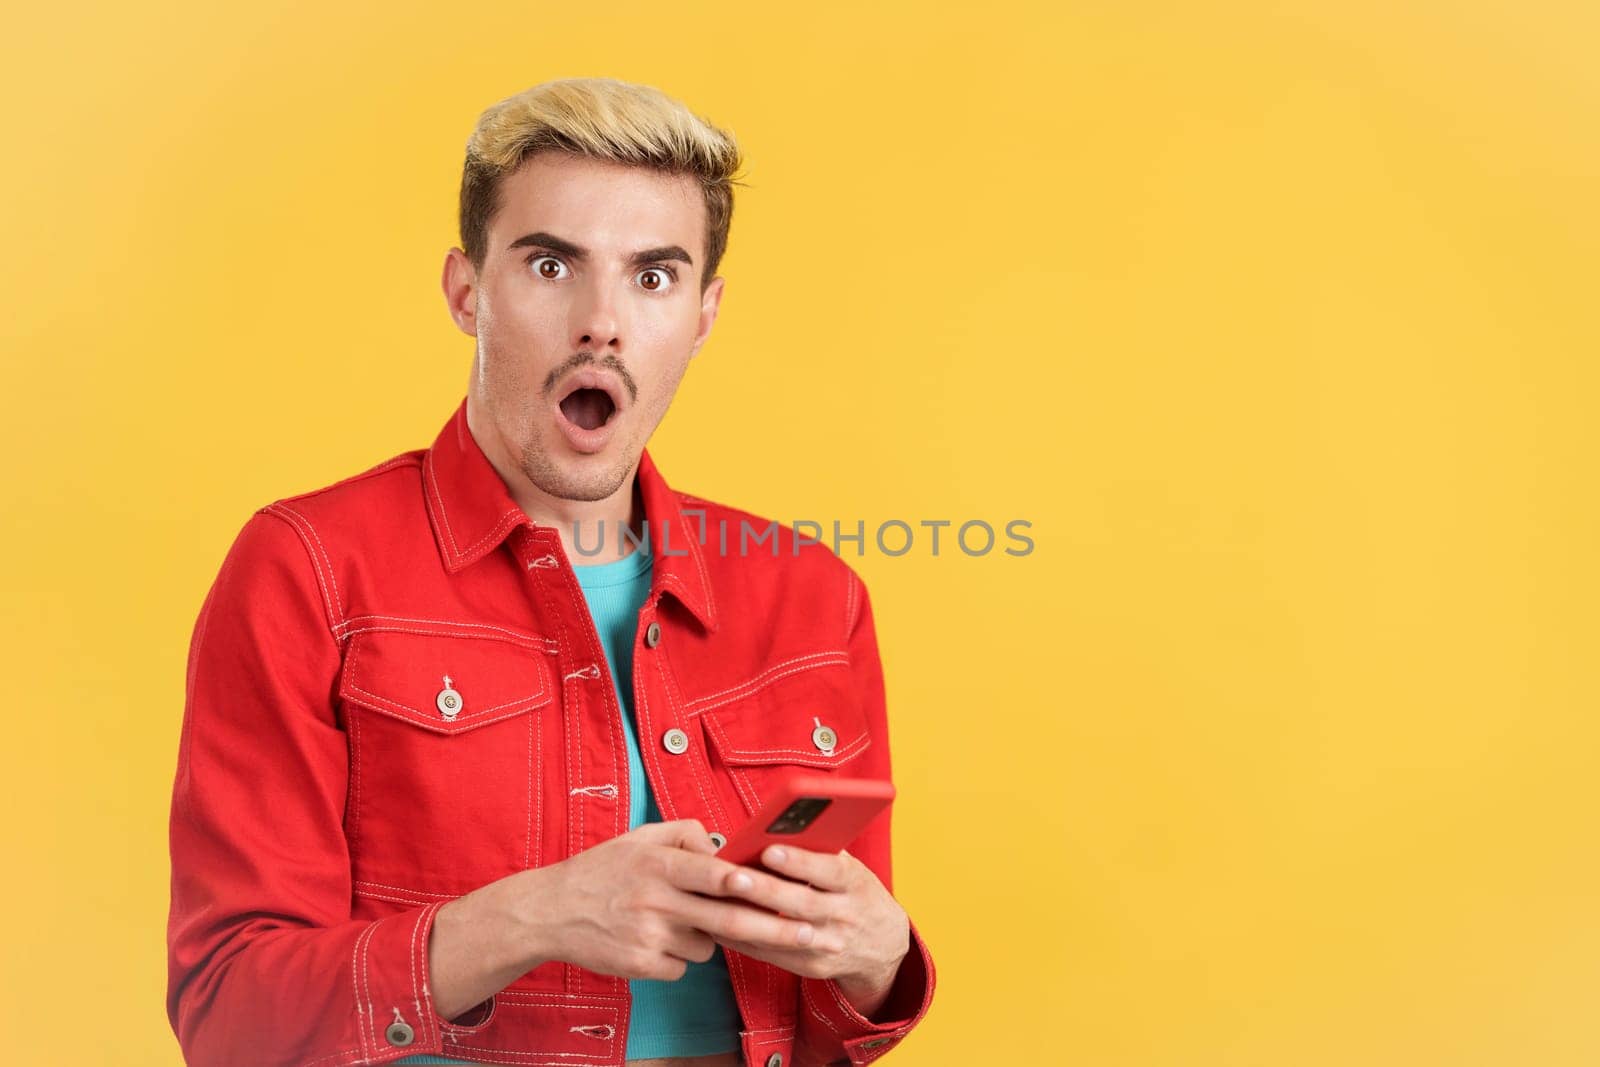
909	997
393	987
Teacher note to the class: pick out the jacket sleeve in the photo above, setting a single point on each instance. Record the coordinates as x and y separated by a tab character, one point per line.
264	963
830	1030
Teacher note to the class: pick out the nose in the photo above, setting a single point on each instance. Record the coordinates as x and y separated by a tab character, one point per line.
595	324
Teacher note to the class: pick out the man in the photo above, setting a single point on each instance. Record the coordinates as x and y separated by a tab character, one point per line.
451	781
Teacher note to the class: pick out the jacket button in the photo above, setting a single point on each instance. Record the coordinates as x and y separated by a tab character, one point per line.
399	1033
676	741
652	635
447	700
775	1060
824	738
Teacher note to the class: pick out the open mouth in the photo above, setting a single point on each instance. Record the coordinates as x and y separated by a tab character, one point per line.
588	408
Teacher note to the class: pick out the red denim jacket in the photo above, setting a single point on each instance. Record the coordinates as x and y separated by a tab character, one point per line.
331	796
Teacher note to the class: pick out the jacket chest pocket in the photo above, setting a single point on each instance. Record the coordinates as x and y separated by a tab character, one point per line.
445	738
808	721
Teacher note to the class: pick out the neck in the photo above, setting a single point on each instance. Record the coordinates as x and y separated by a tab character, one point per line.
597	522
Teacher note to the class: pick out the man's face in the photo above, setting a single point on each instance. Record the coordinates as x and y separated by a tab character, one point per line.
586	313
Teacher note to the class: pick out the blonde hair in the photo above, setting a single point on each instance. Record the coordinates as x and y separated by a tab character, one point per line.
606	119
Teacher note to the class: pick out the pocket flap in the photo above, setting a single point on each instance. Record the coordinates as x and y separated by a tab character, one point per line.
412	676
792	720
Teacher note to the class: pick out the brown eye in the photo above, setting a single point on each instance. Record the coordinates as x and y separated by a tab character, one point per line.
654	280
548	267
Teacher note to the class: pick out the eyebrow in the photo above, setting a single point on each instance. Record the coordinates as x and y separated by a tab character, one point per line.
541	239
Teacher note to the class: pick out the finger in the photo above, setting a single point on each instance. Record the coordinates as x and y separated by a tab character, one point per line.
700	843
679	833
826	941
696	872
779	956
794	899
737	921
795	961
825	870
690	945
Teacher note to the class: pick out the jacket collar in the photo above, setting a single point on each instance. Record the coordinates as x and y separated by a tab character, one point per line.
472	512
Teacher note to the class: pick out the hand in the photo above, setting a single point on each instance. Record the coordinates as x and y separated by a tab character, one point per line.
861	932
642	905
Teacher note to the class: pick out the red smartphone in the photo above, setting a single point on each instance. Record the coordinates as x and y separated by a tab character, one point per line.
809	811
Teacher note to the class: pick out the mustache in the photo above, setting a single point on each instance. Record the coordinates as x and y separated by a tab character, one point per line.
579	359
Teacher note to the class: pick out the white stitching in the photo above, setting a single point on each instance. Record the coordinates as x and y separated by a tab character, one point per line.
453	1031
533	755
700	764
348	634
444	624
360	989
736	963
357	1053
355	799
565	1055
355	988
571	974
351	673
367	984
386	706
329	601
412	458
745	789
699	781
428	1013
849	603
796	665
367	894
705	579
845	1006
812	1006
406	889
507	521
537	787
416	974
591	1000
812	756
646	744
338	598
487	1055
430	470
666	802
669	580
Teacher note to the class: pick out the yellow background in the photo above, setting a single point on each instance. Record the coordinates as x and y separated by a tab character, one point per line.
1275	319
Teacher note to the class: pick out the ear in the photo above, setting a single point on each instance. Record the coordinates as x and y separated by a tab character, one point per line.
710	302
460	284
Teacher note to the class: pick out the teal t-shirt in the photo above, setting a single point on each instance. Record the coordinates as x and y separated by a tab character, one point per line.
696	1015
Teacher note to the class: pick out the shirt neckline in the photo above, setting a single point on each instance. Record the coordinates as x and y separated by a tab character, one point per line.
616	571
